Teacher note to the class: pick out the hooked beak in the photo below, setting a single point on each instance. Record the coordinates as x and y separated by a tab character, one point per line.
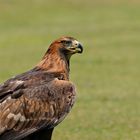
79	48
76	47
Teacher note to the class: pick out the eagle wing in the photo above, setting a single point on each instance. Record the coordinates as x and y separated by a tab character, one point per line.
30	104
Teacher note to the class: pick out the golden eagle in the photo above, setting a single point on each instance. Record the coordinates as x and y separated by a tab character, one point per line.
33	103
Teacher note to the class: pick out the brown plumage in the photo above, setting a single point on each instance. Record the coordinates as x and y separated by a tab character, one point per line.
33	103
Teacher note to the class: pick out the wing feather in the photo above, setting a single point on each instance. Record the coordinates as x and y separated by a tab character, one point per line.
42	106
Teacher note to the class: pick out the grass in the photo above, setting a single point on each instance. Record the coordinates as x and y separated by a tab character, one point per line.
106	74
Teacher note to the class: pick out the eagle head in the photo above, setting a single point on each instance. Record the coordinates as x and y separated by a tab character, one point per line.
66	45
57	57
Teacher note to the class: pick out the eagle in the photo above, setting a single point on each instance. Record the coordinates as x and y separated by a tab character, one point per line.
34	102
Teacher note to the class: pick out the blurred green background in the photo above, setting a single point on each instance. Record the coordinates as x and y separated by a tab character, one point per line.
107	74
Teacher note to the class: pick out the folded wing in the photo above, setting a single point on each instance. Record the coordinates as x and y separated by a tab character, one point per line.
26	109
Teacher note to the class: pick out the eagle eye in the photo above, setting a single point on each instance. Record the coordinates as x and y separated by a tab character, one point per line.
66	42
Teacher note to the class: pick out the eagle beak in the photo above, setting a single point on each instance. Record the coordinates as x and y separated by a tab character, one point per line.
75	47
78	47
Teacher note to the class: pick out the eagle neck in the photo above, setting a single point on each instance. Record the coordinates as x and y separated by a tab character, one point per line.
56	63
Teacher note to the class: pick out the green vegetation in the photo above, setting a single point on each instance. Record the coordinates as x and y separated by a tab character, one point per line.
107	74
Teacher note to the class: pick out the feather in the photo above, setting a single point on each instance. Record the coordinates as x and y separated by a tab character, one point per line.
36	101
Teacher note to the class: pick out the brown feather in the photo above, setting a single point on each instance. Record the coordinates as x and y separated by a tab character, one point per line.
38	99
54	61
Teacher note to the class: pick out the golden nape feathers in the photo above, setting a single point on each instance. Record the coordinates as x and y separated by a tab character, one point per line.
33	103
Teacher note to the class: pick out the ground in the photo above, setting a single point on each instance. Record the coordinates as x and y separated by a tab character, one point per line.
106	74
